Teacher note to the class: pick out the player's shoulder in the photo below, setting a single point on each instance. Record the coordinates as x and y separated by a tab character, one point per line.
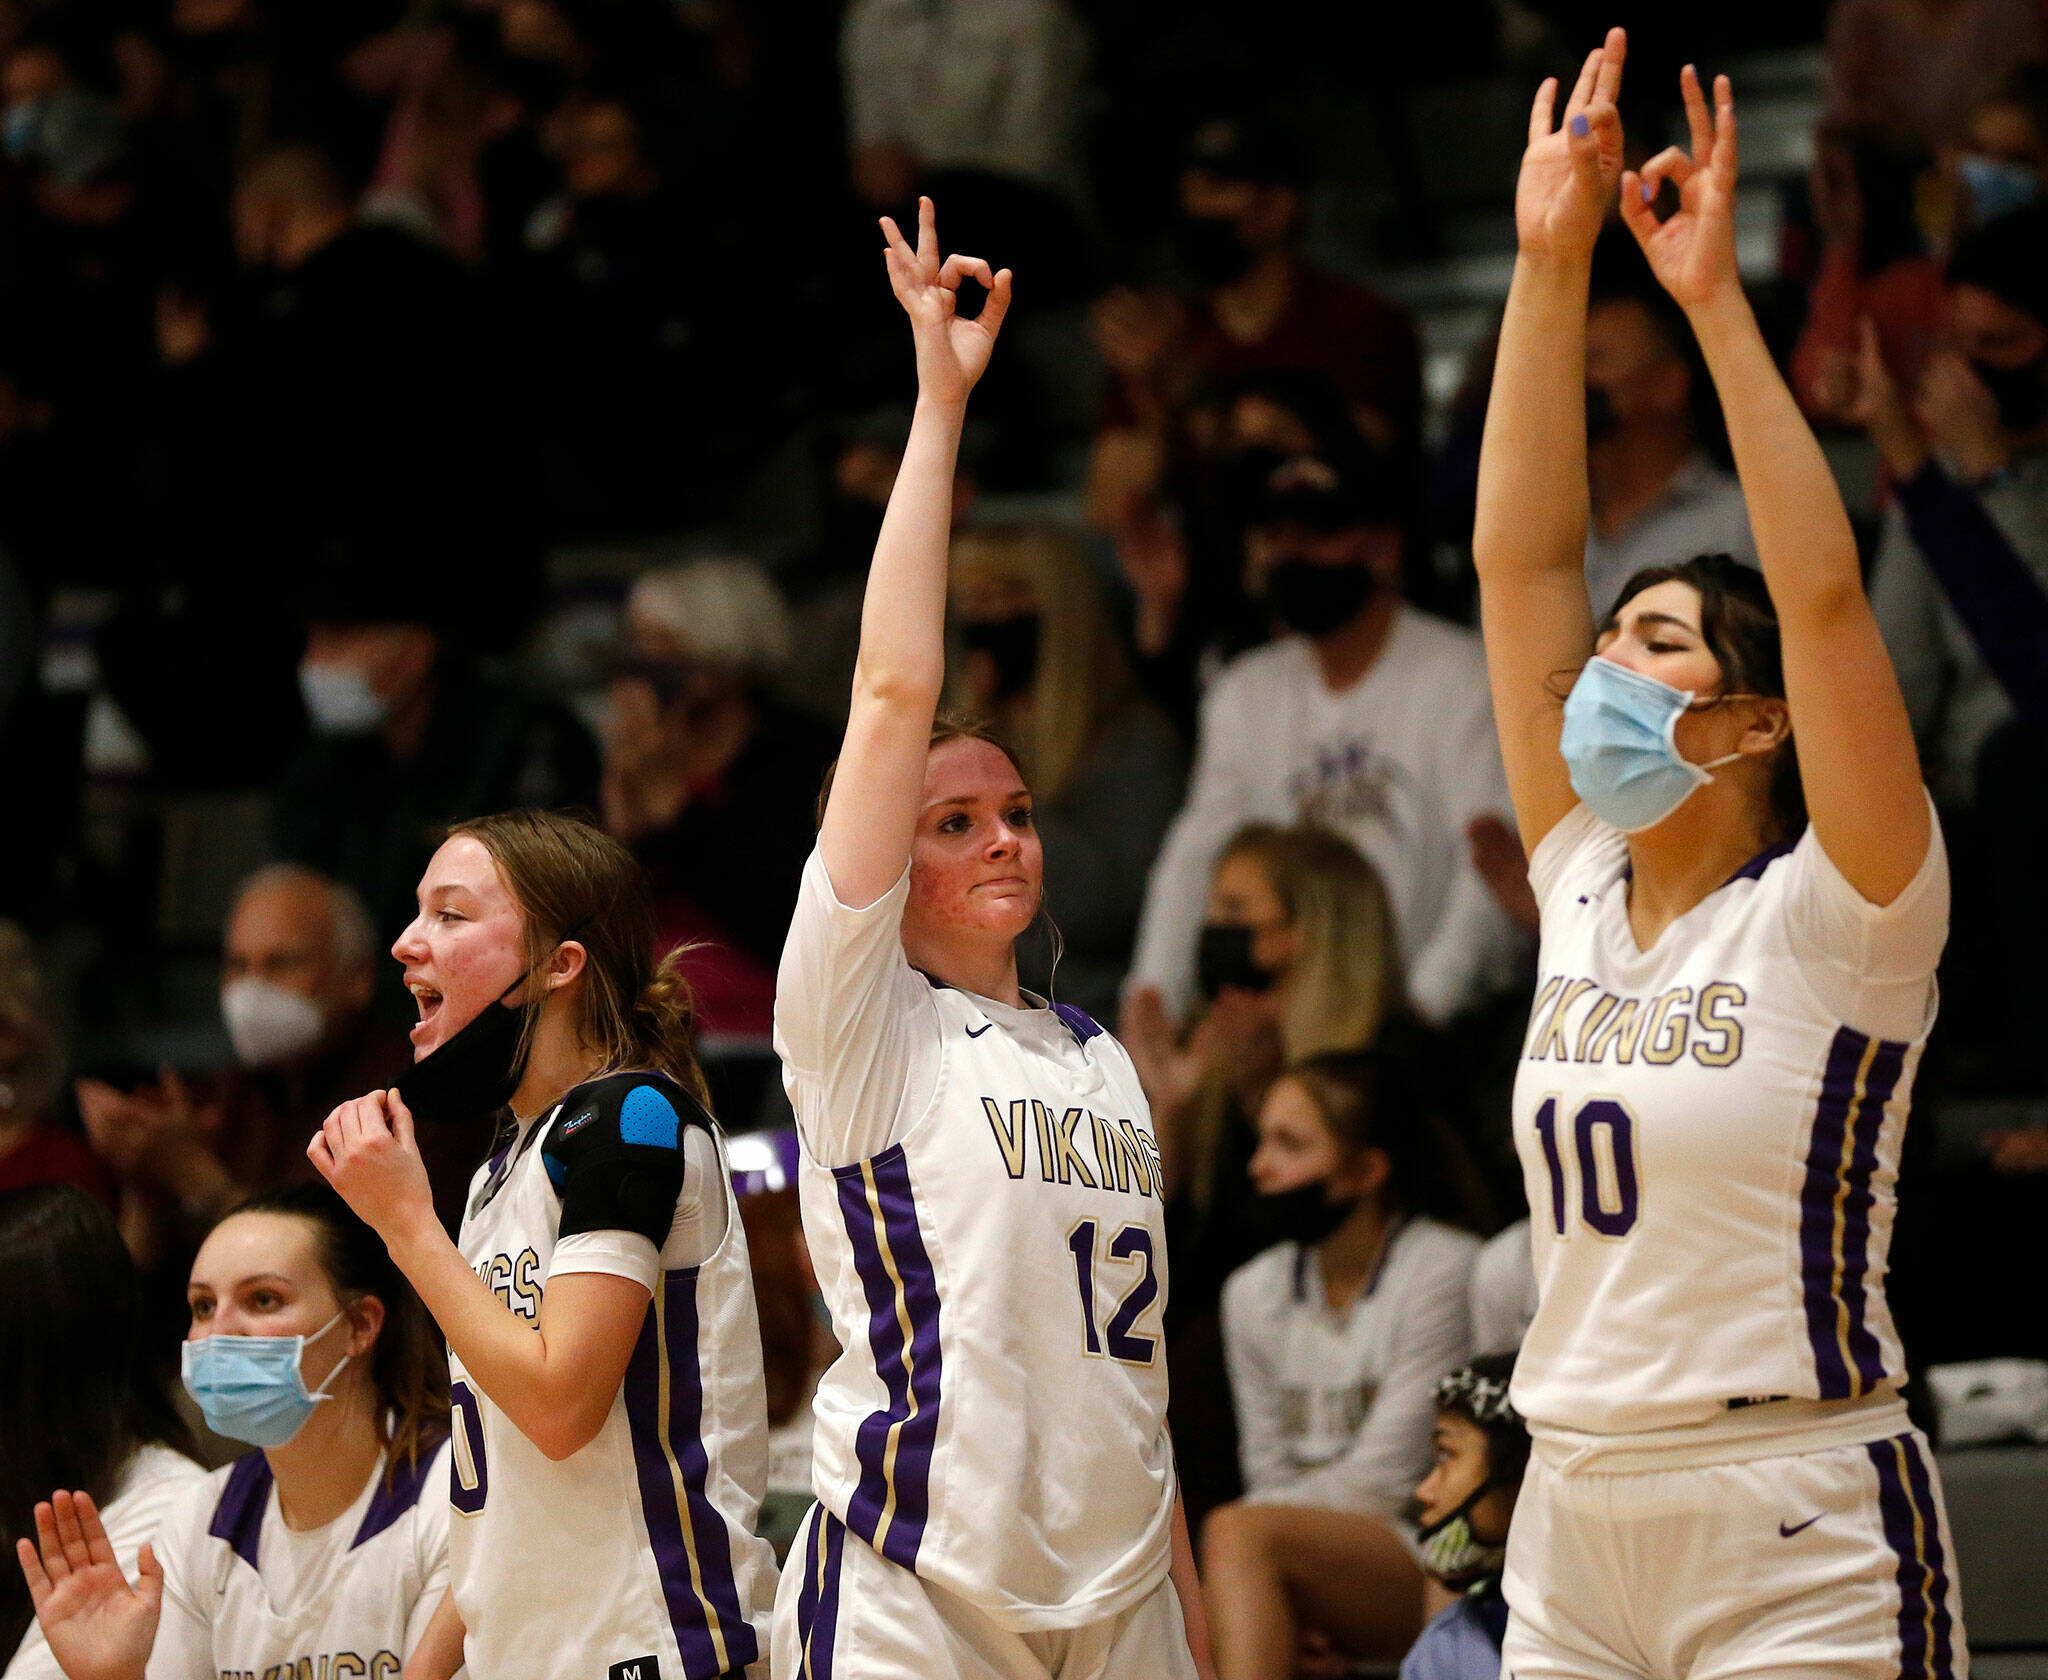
637	1106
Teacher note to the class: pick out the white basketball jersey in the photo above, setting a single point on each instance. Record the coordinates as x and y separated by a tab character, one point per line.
357	1616
634	1557
997	1419
1709	1133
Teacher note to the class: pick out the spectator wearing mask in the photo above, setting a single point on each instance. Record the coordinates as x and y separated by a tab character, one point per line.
1336	1336
1657	495
79	1406
1296	959
1369	718
1981	414
409	736
708	778
1463	1507
1044	664
33	1148
1256	304
297	966
2004	155
331	1541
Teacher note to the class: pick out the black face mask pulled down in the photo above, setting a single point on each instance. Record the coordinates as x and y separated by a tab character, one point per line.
1601	420
1212	250
1223	957
1012	646
474	1073
2020	392
1316	600
1303	1215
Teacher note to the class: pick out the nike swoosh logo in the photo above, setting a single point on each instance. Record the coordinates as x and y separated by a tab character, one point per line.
1785	1533
976	1032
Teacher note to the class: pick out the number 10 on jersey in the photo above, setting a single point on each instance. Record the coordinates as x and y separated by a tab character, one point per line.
1603	1140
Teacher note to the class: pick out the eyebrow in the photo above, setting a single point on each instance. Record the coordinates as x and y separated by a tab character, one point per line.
1667	618
975	799
243	1283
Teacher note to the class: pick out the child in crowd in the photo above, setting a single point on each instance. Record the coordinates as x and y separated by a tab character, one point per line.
1462	1510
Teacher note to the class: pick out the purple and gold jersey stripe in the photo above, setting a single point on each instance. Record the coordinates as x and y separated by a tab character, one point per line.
1857	1085
1912	1527
893	1445
817	1606
664	1394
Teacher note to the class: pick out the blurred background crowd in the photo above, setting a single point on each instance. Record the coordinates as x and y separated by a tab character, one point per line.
421	407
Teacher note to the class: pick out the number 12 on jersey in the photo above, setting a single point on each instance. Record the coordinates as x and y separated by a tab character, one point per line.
1604	1149
1133	1242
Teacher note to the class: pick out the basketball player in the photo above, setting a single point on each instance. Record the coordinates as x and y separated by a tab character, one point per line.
1738	951
325	1552
609	1423
979	1177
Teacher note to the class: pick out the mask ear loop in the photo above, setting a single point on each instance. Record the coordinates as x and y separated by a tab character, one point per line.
320	1393
1694	704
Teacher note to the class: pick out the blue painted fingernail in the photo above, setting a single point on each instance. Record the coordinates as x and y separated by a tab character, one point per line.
1580	125
1649	193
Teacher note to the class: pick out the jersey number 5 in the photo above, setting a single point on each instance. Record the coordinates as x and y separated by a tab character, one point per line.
1604	1143
469	1478
1133	1242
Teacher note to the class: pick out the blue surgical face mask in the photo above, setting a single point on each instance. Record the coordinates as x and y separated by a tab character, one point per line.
1997	186
250	1388
1619	743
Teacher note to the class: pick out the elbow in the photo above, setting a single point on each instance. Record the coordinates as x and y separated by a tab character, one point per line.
563	1435
898	689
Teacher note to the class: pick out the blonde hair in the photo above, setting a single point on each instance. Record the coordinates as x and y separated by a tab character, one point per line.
721	609
574	881
1084	676
1346	978
1345	981
25	1007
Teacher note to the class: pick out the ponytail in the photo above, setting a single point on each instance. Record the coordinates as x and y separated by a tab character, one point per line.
665	1025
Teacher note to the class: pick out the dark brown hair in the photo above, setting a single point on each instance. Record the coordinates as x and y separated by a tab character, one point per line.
946	726
408	1364
574	881
1740	626
1371	1099
76	1395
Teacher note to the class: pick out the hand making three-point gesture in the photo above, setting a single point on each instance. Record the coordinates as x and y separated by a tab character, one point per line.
952	353
1693	252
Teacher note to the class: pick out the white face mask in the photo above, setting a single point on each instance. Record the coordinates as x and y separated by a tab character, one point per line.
268	1023
340	700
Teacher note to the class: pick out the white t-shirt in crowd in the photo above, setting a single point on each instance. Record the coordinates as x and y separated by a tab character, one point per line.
1398	763
1334	1410
1709	1133
1503	1291
150	1485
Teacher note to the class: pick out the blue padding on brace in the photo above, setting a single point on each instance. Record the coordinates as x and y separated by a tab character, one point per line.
646	1116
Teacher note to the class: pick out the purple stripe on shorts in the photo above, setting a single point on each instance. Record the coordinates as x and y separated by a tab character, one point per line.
1895	1506
1817	1213
1920	1482
910	1373
1865	1127
689	1614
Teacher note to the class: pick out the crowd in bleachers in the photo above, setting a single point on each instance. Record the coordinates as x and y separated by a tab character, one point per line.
422	408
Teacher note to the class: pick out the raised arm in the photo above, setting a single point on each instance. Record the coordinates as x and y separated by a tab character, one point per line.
1856	754
902	665
1529	541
